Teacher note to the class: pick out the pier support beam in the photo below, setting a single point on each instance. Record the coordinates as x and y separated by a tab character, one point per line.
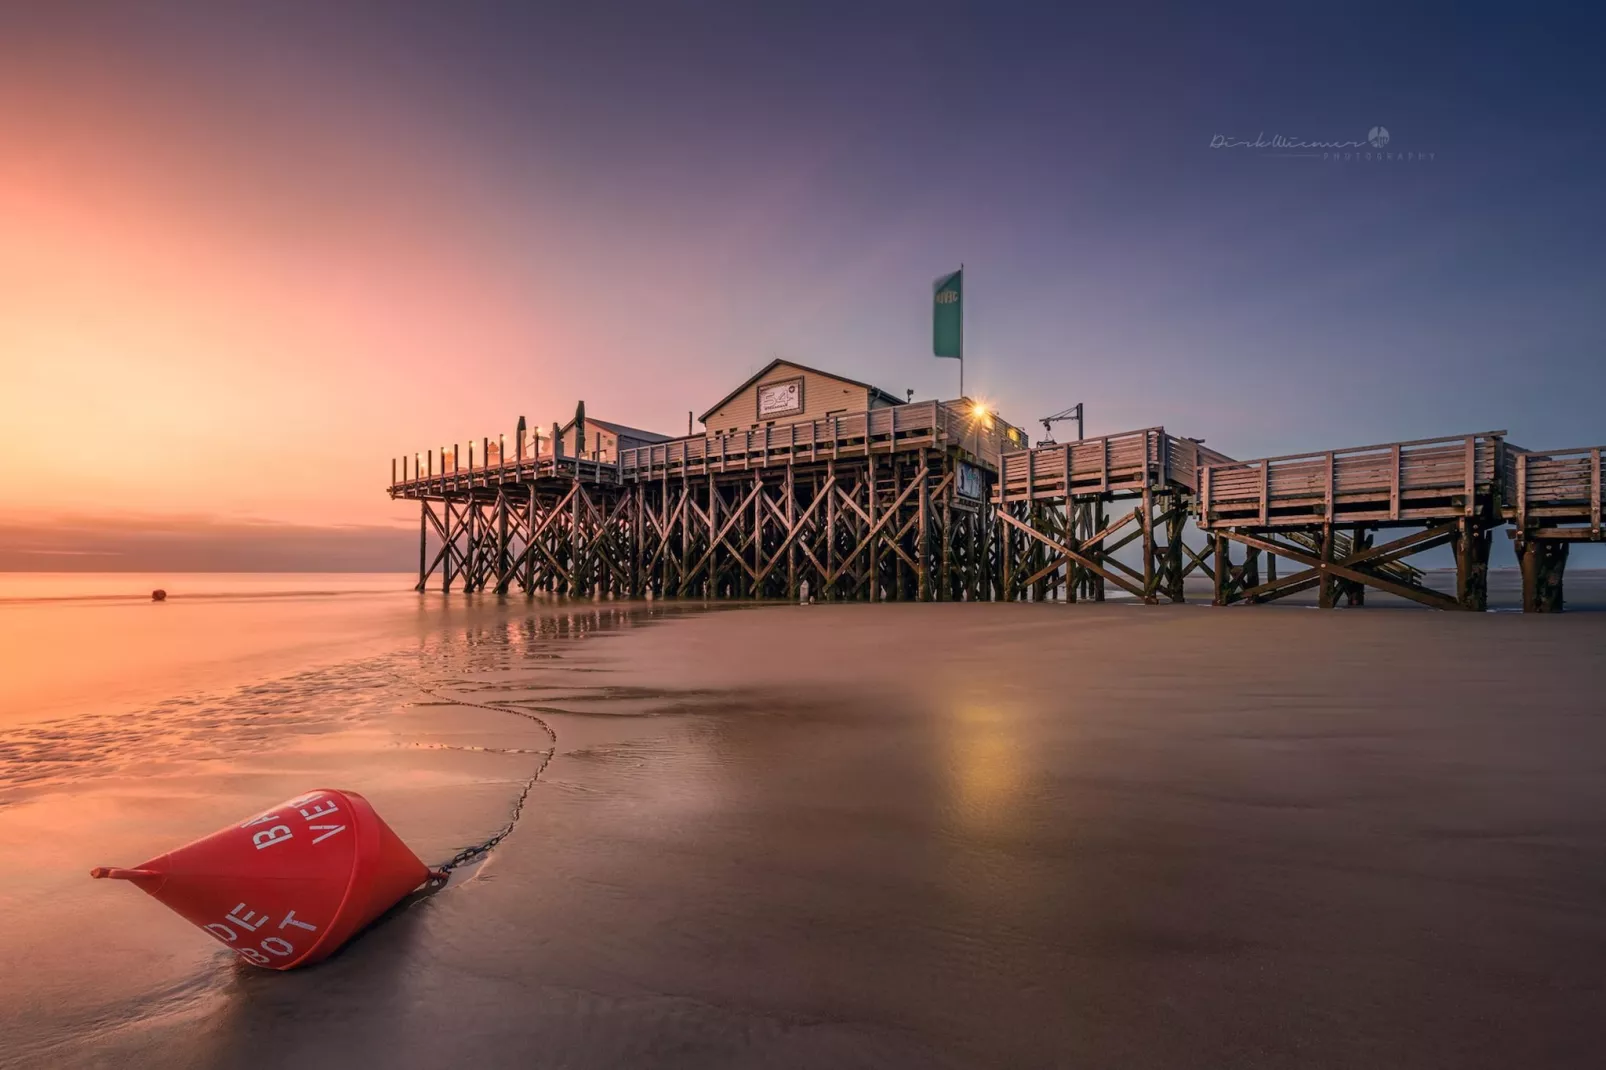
1471	548
1544	567
1325	558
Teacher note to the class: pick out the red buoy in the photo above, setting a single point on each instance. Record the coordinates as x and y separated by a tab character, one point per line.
290	885
158	595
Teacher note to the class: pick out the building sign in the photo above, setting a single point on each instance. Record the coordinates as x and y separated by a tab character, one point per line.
784	398
972	483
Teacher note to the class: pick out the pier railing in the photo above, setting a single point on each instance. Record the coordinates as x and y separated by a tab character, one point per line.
849	434
1126	462
1422	480
1557	488
425	480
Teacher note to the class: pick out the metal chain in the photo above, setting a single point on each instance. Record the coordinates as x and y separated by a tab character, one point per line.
442	873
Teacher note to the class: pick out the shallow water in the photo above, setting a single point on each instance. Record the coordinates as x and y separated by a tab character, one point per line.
96	641
863	836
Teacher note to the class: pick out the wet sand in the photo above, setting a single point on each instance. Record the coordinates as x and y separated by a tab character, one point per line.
878	835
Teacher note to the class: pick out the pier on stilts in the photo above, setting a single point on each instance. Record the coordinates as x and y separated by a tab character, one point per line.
885	504
942	501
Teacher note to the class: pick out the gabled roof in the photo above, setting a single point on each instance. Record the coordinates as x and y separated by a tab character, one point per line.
875	391
620	429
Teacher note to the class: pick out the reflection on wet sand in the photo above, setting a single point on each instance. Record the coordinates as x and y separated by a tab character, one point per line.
880	835
419	729
985	760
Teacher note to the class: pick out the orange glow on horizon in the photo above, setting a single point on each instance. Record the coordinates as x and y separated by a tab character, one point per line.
200	318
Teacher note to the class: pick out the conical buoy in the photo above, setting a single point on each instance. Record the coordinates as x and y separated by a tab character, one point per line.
289	886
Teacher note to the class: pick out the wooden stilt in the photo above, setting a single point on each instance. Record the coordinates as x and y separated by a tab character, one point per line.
1328	582
1147	520
1544	564
424	512
923	540
1472	565
1176	522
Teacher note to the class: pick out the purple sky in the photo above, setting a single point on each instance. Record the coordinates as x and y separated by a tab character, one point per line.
295	240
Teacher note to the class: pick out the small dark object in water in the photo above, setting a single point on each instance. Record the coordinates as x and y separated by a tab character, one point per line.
158	595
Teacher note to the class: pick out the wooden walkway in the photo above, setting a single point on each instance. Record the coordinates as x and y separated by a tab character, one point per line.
1428	479
1453	491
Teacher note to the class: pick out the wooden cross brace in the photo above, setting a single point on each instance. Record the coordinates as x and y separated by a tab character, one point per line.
880	523
533	542
794	529
1357	566
1068	554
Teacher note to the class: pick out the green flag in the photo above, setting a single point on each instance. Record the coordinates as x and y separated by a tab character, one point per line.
948	316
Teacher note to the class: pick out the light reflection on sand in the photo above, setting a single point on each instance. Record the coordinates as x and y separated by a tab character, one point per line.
985	760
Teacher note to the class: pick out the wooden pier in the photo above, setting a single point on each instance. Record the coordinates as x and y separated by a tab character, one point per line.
938	501
882	504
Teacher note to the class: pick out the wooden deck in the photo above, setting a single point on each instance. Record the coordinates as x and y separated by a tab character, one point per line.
849	435
1396	483
1124	463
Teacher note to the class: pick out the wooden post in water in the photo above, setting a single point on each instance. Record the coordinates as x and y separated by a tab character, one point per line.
1176	521
449	561
1325	597
1223	562
685	532
874	550
1544	564
638	530
1472	565
923	544
713	536
1147	518
758	529
501	542
1099	520
423	541
945	591
1006	537
792	592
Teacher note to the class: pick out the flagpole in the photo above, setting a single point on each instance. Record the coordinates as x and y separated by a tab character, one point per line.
961	328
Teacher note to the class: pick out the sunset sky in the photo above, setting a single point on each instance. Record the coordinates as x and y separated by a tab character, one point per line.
249	253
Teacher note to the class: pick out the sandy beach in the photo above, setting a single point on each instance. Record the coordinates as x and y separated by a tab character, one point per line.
913	835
